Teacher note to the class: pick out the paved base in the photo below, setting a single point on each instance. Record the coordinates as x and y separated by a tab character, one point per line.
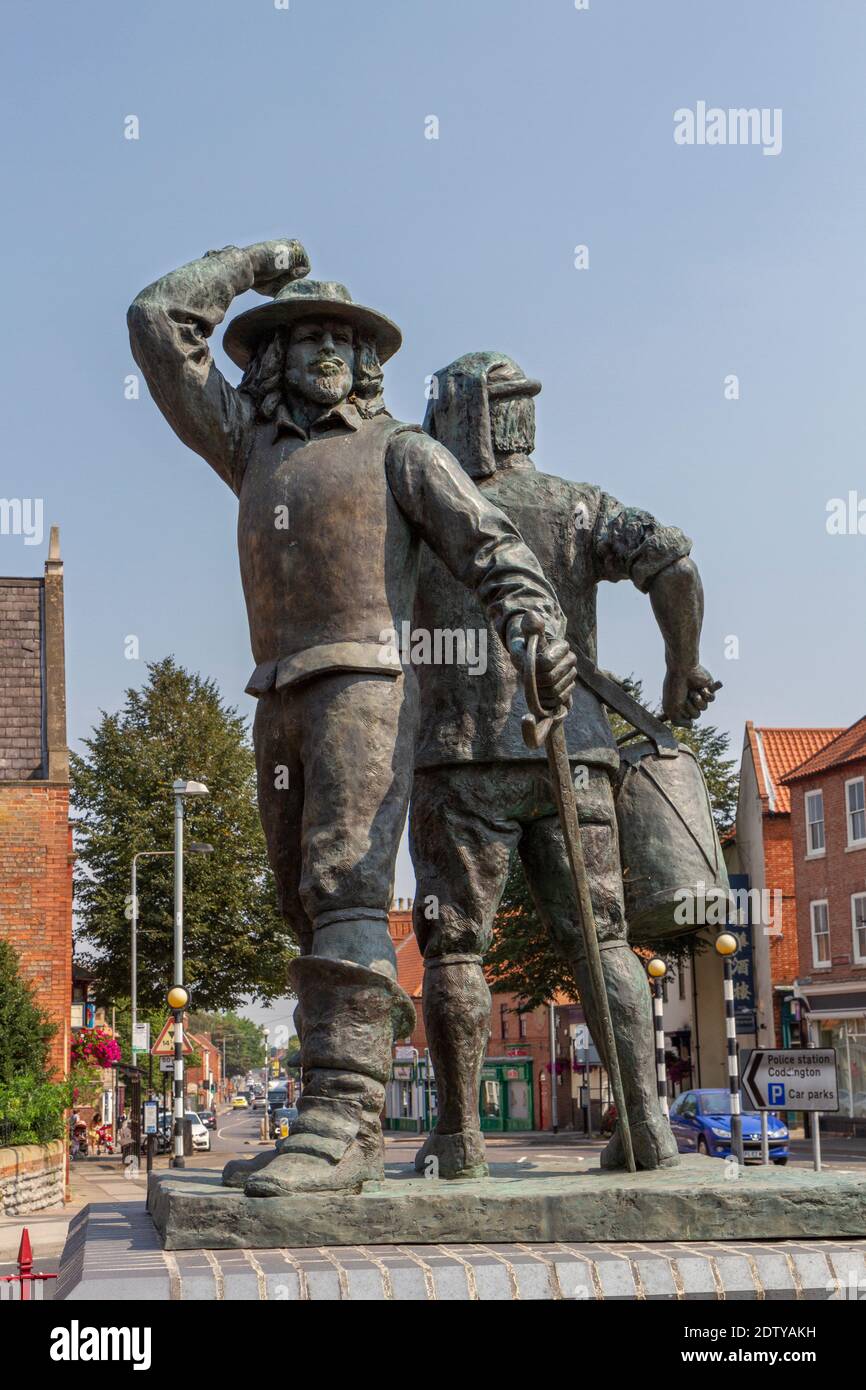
114	1254
701	1199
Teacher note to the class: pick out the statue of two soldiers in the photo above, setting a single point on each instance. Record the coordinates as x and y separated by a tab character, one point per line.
352	524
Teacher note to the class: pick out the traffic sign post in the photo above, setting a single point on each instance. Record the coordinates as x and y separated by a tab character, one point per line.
164	1045
797	1078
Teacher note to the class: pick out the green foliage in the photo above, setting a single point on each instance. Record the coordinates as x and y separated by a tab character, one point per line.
521	959
236	945
245	1040
35	1109
25	1031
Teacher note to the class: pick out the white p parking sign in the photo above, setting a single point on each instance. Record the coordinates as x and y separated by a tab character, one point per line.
792	1079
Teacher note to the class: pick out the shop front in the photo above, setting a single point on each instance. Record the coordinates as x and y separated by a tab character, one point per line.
505	1100
837	1018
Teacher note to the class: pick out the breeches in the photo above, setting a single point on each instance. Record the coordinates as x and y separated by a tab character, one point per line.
464	822
334	763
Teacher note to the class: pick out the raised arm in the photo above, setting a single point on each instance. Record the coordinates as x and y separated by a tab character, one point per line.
169	325
483	549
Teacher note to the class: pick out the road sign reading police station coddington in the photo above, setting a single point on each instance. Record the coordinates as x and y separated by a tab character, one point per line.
791	1079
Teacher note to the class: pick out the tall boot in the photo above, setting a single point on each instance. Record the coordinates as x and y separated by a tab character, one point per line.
631	1015
350	1015
237	1170
456	1004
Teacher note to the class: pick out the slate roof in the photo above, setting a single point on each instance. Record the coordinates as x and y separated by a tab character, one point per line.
23	754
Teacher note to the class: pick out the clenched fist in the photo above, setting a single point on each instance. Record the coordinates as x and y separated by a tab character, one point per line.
687	694
276	263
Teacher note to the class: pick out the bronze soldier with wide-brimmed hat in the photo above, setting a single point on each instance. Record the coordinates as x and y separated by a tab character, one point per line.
335	498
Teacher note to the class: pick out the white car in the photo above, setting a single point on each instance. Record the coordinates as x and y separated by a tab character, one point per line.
200	1133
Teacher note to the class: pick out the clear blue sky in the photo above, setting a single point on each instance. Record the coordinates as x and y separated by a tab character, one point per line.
556	128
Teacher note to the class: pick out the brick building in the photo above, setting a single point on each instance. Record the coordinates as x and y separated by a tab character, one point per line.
828	815
761	849
35	833
204	1082
516	1078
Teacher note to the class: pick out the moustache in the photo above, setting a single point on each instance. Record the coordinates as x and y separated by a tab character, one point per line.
328	366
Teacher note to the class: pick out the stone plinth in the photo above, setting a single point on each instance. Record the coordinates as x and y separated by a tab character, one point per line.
697	1201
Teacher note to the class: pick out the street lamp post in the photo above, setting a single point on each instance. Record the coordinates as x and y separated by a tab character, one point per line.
178	997
267	1133
194	848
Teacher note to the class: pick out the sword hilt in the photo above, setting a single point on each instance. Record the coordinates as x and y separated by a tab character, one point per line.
537	724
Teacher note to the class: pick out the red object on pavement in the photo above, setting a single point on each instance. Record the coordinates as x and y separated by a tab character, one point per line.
25	1275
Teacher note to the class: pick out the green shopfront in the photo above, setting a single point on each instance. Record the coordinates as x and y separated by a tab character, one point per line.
505	1096
505	1099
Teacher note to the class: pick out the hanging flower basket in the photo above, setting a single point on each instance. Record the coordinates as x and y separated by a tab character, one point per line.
94	1047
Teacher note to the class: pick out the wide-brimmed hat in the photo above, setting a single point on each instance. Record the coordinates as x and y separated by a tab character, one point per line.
304	299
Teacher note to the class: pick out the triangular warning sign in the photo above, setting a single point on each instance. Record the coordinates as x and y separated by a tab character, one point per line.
164	1045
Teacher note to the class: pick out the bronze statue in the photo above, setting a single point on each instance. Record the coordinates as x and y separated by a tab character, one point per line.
480	793
335	498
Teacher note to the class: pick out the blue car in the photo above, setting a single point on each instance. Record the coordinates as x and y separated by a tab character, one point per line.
701	1122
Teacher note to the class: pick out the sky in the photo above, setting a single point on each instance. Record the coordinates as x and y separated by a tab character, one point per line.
555	129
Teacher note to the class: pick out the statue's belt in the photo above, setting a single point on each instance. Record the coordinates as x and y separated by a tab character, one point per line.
375	658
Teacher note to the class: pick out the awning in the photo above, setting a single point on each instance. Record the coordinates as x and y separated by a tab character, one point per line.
850	1003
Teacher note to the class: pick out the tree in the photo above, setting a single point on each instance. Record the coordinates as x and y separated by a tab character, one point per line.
25	1031
245	1040
236	945
521	959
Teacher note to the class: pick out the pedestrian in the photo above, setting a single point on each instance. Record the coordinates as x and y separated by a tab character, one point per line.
124	1138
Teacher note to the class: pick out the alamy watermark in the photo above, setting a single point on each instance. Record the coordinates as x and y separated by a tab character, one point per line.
738	125
438	646
22	516
700	906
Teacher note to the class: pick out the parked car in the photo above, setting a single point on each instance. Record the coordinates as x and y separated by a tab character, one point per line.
208	1118
701	1122
239	1103
200	1135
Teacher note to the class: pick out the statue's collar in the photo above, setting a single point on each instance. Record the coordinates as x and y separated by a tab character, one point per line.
344	414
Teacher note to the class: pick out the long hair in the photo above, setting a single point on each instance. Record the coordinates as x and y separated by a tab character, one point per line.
264	380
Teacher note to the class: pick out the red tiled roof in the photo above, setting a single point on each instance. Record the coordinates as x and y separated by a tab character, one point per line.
410	962
849	746
775	753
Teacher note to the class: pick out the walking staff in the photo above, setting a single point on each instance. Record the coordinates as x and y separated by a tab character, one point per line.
540	727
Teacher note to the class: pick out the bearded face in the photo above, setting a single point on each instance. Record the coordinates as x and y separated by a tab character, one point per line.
320	360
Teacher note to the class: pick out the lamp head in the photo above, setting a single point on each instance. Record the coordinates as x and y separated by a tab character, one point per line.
181	788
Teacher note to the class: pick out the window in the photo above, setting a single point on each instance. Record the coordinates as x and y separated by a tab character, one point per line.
820	935
855	797
521	1025
681	981
858	926
814	823
503	1020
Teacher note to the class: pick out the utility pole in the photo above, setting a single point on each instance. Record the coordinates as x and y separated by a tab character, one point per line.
178	996
554	1100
